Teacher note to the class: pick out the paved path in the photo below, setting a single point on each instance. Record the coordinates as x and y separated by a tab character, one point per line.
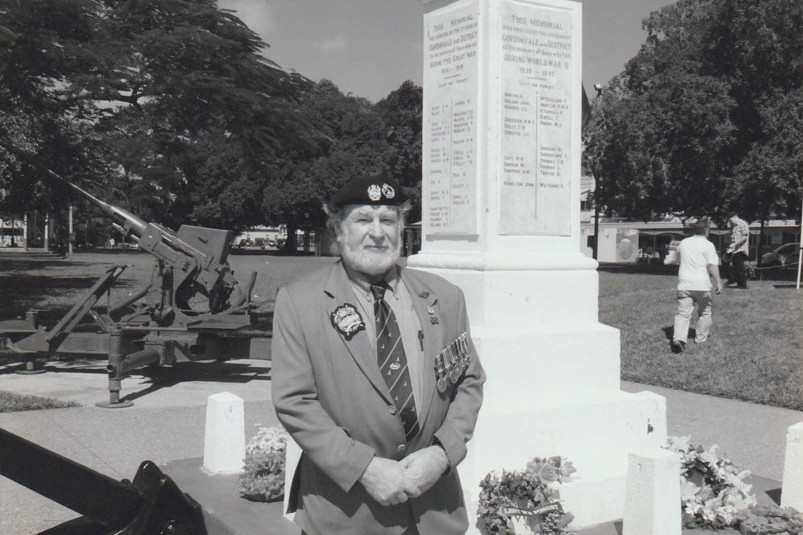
167	424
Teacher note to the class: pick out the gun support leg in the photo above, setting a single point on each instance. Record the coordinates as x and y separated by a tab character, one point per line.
33	367
116	372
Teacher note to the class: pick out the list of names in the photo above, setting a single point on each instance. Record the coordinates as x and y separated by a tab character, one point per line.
535	190
450	125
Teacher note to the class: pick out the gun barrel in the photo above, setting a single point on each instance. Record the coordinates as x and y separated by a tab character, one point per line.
129	220
89	493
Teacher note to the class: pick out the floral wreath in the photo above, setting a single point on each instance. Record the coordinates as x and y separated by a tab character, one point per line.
712	489
518	502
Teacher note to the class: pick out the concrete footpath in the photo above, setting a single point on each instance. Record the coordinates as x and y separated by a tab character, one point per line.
166	424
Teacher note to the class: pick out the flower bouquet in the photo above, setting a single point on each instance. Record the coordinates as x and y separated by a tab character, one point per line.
262	479
712	489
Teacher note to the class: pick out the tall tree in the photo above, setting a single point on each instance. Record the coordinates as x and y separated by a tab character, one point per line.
355	142
171	97
401	111
695	123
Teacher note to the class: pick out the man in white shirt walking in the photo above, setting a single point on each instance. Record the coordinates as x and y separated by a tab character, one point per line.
699	267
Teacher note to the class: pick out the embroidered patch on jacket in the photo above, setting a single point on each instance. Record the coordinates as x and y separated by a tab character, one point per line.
347	320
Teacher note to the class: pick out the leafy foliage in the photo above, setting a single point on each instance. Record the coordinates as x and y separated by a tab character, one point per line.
168	106
401	112
768	520
706	117
357	138
262	479
525	501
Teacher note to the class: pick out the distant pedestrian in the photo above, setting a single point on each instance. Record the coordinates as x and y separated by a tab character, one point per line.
699	267
738	250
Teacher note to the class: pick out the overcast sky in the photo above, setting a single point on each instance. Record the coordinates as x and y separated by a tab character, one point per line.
369	47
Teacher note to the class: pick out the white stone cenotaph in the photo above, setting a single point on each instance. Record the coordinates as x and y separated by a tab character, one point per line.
501	219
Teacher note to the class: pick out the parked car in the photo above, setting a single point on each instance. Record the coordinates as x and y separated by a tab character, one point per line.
672	253
784	255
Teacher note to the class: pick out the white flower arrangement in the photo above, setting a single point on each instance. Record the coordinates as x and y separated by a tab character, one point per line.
267	439
263	472
712	489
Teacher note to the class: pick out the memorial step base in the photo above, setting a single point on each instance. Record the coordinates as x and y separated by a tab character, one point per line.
595	436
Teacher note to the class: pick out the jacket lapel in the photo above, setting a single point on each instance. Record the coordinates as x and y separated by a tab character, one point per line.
426	307
340	291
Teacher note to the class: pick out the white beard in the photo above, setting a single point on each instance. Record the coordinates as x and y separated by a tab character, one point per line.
370	262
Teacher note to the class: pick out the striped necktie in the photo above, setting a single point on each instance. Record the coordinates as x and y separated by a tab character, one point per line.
392	360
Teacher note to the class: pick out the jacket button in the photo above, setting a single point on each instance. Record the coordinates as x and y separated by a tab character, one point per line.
401	448
392	410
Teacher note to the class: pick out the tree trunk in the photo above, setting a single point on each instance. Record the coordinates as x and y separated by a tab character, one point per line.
760	241
290	247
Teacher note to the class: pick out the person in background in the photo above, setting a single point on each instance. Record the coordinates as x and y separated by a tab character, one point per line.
376	378
697	276
738	250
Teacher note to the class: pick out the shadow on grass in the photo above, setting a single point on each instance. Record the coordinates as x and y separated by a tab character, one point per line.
767	274
669	332
648	269
22	292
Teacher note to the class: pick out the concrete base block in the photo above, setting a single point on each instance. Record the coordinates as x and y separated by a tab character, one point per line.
652	498
792	493
224	438
595	436
548	366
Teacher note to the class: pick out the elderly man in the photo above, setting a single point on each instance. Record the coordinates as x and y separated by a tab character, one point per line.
376	378
699	266
738	249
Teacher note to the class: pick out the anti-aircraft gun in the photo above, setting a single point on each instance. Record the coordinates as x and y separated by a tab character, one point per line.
192	308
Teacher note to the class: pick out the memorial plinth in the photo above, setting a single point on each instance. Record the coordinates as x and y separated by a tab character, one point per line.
501	219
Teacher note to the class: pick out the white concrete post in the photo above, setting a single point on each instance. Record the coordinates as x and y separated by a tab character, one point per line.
652	499
792	493
292	456
224	439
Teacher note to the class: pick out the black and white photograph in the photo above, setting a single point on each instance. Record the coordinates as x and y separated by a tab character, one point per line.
401	267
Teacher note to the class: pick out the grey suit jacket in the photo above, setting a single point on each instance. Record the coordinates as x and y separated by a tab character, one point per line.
329	395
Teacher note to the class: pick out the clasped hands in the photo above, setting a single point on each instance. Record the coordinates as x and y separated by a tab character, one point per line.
392	482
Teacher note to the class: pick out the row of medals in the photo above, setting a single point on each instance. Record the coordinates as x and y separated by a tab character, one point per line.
452	362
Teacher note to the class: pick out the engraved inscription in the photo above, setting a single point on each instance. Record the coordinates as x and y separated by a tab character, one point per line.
450	128
535	190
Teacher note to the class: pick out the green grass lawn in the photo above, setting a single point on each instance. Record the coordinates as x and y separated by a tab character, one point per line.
11	402
755	352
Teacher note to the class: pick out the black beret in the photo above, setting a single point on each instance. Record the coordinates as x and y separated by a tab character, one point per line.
367	190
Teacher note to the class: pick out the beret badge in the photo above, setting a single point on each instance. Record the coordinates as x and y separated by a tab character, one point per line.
347	320
374	192
388	191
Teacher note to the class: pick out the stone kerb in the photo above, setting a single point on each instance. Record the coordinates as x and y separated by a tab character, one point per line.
224	437
792	493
